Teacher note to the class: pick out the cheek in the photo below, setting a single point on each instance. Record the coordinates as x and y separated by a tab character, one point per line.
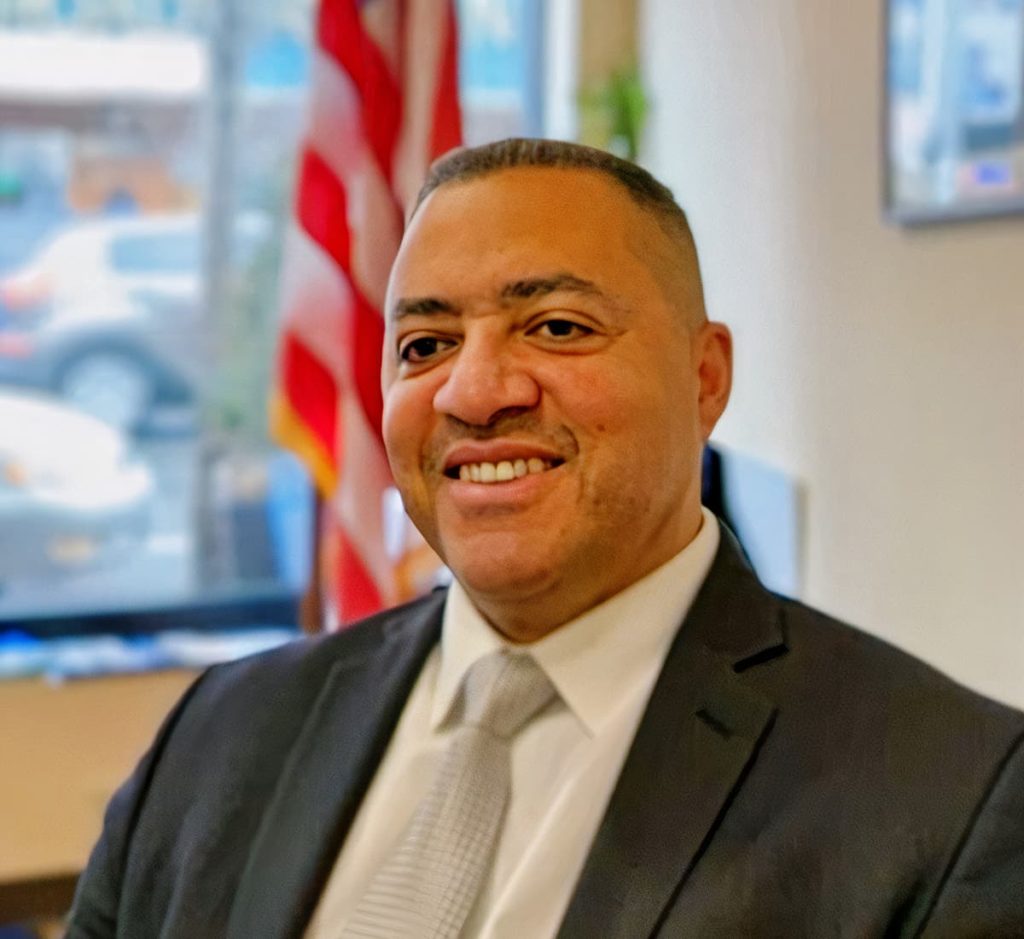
613	408
641	432
402	427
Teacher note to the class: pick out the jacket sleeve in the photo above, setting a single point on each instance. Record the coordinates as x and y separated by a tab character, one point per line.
983	891
94	912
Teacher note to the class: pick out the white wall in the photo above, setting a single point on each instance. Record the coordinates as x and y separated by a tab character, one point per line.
883	367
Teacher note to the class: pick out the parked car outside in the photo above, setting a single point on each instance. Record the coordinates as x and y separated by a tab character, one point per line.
72	495
108	315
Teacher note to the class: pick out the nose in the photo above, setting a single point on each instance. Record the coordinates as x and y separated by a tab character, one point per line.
486	381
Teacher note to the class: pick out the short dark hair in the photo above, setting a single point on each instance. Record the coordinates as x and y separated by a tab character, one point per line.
467	163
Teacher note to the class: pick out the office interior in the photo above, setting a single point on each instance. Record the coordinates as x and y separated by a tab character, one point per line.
878	369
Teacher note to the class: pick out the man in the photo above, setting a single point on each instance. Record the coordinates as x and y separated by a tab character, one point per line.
700	758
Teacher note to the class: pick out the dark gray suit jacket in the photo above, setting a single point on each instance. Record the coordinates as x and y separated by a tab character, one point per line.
791	777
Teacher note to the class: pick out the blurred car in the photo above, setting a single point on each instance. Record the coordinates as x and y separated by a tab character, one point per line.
108	315
72	496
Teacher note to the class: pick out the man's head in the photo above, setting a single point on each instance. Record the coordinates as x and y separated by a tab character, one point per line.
677	266
546	321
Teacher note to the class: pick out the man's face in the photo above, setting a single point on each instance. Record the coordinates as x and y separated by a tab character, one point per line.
545	403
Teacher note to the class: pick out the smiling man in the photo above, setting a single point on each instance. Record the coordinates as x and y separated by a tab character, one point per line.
606	727
548	390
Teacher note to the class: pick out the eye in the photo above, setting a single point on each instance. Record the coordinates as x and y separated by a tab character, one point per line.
561	329
423	348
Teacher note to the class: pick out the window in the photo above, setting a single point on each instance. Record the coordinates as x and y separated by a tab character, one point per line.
144	186
500	70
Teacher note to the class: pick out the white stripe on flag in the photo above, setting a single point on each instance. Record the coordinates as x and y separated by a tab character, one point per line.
336	134
426	22
316	302
380	20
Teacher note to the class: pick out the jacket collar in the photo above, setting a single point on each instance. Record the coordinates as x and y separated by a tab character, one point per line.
702	730
328	770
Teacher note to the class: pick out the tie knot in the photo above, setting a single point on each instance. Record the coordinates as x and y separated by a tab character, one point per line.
502	692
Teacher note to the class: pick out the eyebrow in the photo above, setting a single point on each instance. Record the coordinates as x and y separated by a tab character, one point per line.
541	286
421	306
526	289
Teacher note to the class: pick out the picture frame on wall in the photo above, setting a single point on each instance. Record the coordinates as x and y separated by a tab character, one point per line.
953	109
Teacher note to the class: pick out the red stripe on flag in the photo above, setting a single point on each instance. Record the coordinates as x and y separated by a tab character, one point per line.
323	209
359	595
312	392
447	129
340	33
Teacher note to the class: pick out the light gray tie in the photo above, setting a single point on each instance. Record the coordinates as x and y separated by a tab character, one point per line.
428	885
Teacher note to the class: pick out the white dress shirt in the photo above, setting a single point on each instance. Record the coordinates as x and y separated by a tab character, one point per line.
565	762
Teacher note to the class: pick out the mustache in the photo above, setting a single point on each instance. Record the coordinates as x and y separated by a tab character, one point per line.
504	424
525	426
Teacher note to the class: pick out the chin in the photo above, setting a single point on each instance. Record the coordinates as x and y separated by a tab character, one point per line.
500	577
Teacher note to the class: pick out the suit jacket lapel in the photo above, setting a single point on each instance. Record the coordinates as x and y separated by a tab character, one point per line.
326	775
701	731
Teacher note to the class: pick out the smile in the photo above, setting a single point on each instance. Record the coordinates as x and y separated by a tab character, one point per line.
501	472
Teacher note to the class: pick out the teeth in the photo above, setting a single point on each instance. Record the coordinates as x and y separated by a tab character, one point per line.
503	471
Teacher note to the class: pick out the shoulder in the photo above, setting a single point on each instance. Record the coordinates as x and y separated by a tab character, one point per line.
238	721
308	658
932	770
806	661
861	699
284	682
840	654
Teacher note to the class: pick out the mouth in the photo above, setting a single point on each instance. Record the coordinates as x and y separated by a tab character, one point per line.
502	471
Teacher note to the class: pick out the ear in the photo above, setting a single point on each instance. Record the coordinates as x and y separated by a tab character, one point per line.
712	350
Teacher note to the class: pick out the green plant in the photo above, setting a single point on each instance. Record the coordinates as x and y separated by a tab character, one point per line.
614	112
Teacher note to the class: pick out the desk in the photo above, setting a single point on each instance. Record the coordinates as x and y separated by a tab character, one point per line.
64	749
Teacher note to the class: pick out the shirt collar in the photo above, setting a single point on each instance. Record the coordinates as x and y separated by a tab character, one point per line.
598	660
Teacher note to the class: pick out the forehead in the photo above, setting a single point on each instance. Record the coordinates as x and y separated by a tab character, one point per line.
570	220
536	191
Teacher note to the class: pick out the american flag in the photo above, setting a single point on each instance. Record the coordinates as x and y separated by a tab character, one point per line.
384	106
